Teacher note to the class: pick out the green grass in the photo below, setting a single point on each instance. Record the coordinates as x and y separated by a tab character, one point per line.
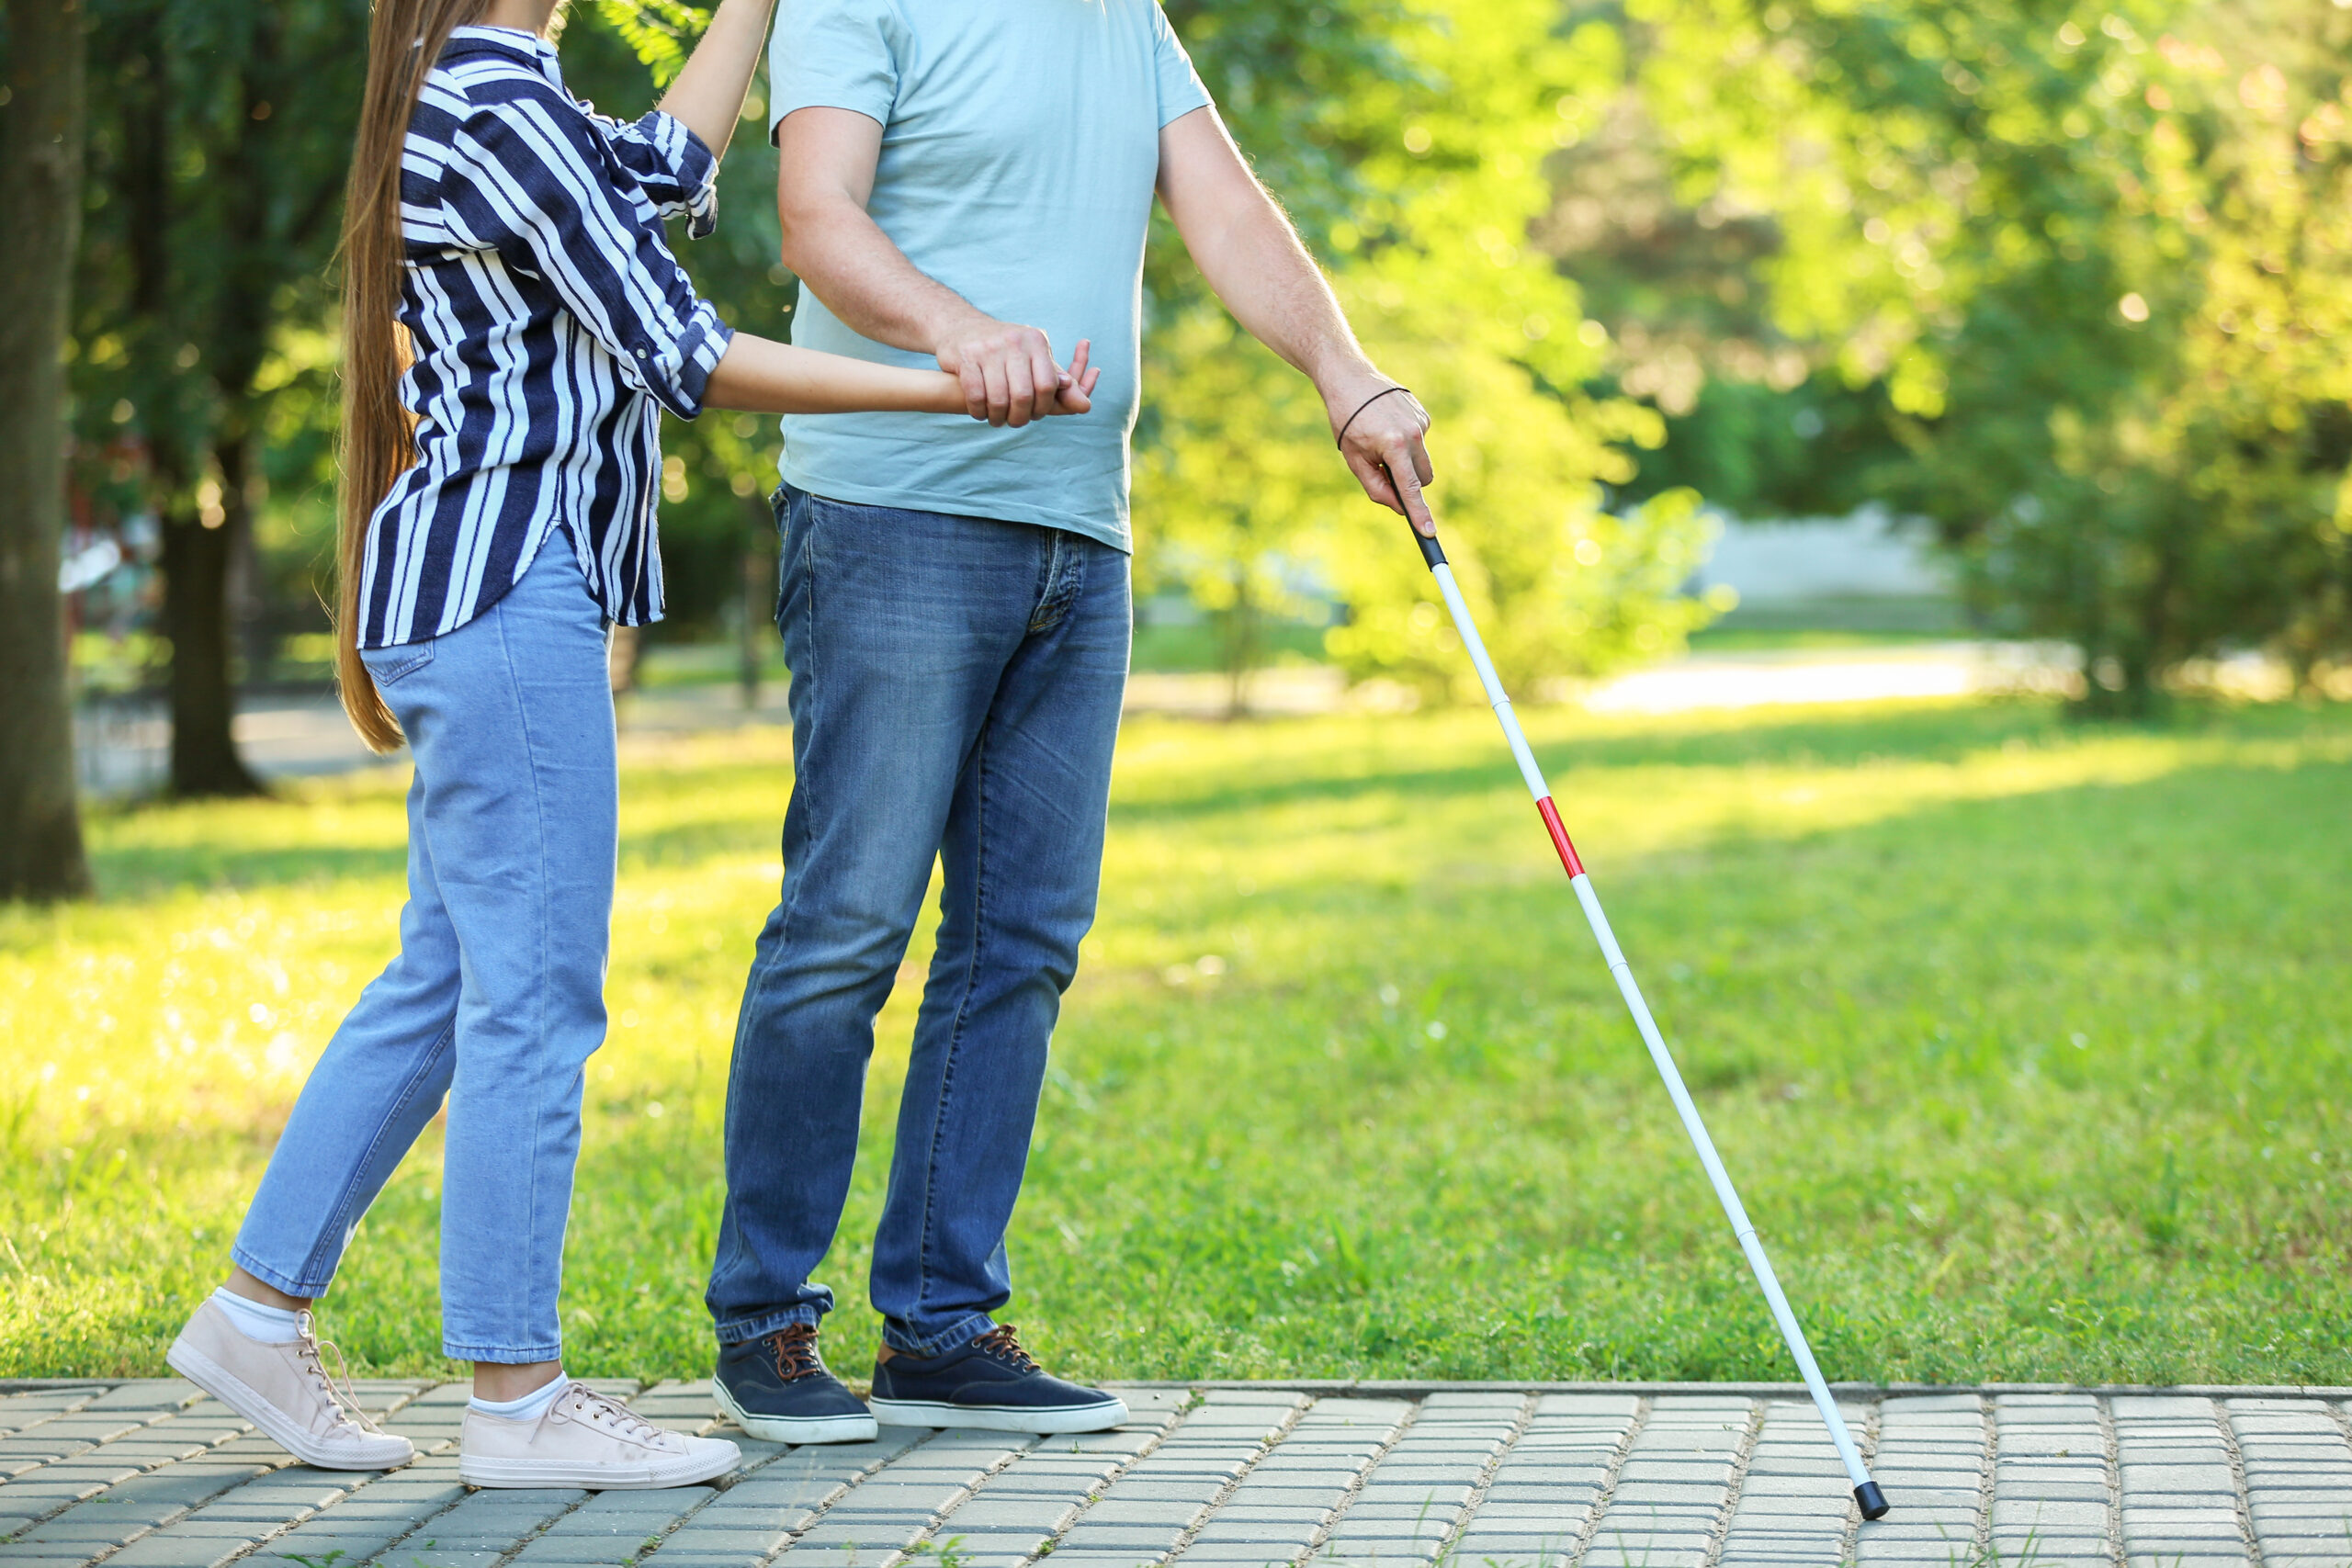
1159	648
2028	1042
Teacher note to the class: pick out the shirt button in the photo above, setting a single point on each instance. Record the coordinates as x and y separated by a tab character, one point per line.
640	353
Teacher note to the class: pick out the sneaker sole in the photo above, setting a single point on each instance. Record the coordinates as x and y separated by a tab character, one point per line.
239	1396
801	1430
1044	1420
525	1473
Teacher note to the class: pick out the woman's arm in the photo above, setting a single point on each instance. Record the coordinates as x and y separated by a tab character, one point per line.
761	376
707	96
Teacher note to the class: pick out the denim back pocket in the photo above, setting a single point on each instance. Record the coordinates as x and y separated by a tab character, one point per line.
387	665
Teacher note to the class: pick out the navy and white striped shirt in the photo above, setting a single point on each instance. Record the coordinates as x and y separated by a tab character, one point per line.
551	326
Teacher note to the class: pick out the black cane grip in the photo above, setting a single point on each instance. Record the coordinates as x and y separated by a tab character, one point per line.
1431	552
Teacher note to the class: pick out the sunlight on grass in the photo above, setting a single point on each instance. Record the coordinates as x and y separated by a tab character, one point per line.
2026	1041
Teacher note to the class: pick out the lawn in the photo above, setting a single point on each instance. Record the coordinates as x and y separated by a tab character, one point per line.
2030	1043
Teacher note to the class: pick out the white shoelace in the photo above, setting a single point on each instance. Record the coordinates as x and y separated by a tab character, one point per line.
604	1411
343	1397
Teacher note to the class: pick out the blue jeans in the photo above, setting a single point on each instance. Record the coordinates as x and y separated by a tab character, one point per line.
497	998
955	691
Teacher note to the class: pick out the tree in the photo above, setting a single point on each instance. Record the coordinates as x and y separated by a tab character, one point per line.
217	179
41	110
2097	265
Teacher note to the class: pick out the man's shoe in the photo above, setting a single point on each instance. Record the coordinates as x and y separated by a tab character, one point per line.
777	1387
285	1391
585	1440
992	1384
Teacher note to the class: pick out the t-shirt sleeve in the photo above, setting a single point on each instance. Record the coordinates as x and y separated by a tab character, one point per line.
1181	91
839	54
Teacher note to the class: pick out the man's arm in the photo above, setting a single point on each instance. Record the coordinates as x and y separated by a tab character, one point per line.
1252	257
825	162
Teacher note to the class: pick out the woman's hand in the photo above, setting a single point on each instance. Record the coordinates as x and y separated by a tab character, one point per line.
1074	392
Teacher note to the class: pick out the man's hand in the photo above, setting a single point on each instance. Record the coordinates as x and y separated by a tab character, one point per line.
825	164
1008	371
1382	444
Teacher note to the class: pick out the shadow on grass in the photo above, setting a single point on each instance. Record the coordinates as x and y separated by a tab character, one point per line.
1816	739
150	871
1948	734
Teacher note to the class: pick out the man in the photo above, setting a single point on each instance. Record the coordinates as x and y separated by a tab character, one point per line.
954	610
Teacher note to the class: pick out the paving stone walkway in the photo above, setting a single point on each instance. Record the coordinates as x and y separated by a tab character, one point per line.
152	1475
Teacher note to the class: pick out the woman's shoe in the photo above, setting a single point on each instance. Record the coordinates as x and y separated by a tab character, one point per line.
585	1439
285	1391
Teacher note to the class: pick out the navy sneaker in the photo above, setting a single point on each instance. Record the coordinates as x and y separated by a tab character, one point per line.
776	1387
992	1384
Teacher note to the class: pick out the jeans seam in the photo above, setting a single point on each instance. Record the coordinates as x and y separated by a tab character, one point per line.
539	1027
410	666
1044	616
963	1007
790	891
311	1265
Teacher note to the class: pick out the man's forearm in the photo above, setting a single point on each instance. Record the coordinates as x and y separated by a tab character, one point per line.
1252	257
843	256
1264	277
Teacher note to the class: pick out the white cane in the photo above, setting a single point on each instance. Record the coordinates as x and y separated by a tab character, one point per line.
1866	1491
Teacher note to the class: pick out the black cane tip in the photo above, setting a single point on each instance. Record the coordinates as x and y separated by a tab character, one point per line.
1872	1500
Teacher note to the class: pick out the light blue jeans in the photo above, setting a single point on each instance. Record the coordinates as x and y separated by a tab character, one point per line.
955	691
497	997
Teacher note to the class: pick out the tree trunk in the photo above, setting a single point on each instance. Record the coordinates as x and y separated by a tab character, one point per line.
1239	627
204	708
40	190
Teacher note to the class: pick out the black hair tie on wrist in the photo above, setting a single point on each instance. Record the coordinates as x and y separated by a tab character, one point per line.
1341	443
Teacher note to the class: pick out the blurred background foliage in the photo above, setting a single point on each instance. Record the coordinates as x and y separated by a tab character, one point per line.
2063	278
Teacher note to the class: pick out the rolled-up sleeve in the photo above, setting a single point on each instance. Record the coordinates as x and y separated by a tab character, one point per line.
672	163
526	177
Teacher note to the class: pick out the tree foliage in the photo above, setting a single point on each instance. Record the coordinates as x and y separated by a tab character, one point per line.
2093	259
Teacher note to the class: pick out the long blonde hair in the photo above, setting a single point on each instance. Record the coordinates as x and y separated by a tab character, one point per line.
379	439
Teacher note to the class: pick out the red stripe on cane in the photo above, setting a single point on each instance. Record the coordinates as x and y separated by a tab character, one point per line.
1560	838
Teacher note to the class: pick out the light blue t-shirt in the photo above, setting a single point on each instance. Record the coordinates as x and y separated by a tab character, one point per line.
1020	149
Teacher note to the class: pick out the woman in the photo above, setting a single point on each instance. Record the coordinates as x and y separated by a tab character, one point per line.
514	324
